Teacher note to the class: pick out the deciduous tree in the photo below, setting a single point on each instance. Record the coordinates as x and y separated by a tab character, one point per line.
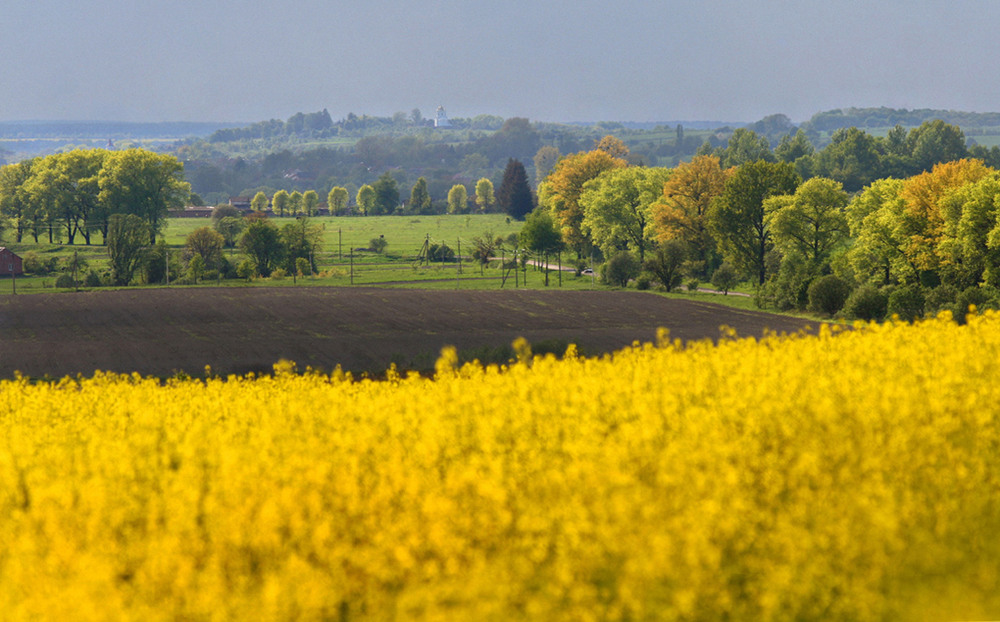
366	200
279	202
458	199
386	194
875	218
260	202
128	235
561	190
737	216
263	246
545	160
15	201
140	182
336	200
420	198
295	203
810	223
746	146
923	219
310	202
617	207
484	195
206	243
681	213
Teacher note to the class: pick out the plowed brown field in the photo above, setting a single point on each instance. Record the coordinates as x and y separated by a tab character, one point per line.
238	330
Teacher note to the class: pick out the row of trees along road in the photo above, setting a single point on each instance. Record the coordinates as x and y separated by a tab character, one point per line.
938	229
514	197
76	193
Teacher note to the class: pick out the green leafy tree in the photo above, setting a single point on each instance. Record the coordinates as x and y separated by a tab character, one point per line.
458	199
725	278
16	205
206	243
140	182
970	243
540	233
263	246
514	195
561	190
737	217
852	158
875	218
259	203
621	268
67	185
230	228
310	203
936	142
295	203
420	198
810	223
366	200
485	198
386	194
336	200
792	148
128	235
617	207
667	263
279	202
301	240
746	146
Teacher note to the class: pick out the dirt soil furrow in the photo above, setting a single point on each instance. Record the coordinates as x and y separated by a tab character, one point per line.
160	332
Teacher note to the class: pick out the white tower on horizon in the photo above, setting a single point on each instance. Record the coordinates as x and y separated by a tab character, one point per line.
441	118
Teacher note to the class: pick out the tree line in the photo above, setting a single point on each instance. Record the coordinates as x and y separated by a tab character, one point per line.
904	223
79	193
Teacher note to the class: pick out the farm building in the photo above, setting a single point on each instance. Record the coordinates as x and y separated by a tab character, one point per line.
10	264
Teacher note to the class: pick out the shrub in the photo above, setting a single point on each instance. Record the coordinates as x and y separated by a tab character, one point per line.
440	252
378	244
866	303
93	279
827	294
981	297
644	281
302	266
246	270
620	269
724	278
907	302
692	285
666	264
278	274
65	280
940	298
34	264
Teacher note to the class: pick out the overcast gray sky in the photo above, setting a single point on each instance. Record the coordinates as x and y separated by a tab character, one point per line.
593	60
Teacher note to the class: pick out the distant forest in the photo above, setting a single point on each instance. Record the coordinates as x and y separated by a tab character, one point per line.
312	151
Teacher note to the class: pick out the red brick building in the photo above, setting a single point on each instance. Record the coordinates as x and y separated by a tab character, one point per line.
10	264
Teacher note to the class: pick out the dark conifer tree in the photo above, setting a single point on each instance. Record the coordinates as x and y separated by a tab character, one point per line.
515	196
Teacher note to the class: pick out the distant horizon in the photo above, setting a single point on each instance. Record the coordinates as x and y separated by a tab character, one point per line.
336	118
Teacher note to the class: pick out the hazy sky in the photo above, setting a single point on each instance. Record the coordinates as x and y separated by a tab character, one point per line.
627	60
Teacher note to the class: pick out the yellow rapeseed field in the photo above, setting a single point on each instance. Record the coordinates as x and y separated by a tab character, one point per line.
847	476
